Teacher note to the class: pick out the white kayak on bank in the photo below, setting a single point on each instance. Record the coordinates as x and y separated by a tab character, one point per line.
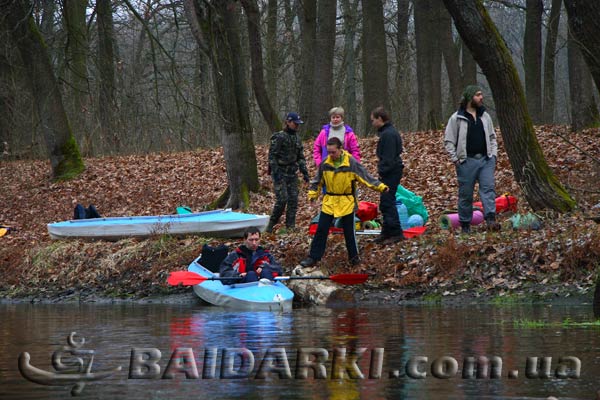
218	223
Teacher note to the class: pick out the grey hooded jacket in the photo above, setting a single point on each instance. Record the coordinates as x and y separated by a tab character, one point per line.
455	139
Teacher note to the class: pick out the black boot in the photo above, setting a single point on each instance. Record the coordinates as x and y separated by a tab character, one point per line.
465	227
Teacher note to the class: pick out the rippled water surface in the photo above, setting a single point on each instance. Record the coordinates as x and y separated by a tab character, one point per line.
265	355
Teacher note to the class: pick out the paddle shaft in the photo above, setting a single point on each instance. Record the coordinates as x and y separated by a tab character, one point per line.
192	278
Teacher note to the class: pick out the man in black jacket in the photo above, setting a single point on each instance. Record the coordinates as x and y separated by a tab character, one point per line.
250	261
389	167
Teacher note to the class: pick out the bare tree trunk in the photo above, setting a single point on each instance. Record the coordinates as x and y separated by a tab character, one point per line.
540	186
258	83
374	60
65	158
469	66
451	53
350	21
322	99
549	63
271	49
533	58
77	49
308	38
428	64
106	73
7	93
220	21
47	24
403	70
584	113
584	23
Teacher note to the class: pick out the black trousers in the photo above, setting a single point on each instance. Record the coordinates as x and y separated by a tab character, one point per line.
387	205
319	242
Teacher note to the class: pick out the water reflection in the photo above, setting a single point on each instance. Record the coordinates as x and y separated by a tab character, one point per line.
402	333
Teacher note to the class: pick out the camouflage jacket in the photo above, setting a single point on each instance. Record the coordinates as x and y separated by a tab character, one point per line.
286	154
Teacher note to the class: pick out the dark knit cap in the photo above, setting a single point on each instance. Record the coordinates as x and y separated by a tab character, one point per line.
469	92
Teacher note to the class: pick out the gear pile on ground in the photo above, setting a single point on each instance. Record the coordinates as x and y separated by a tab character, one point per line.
561	257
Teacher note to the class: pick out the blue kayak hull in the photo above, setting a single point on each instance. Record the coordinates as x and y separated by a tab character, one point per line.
218	223
264	295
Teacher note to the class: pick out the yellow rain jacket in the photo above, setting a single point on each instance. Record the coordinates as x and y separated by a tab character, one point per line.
340	182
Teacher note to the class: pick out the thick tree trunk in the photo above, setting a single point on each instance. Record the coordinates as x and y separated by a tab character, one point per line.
403	70
106	73
584	113
374	60
308	38
549	63
533	58
428	64
272	59
540	186
77	49
322	99
258	83
350	22
451	53
469	66
584	23
220	21
65	158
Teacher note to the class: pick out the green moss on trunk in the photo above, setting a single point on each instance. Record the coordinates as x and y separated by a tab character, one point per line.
71	164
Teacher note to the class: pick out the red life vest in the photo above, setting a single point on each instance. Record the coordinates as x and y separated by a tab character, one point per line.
241	261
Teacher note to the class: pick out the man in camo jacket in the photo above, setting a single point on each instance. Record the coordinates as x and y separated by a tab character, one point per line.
286	157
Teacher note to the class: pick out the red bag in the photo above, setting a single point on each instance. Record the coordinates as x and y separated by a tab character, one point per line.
367	211
503	203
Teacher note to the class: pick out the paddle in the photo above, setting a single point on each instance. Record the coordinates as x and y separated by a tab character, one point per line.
189	278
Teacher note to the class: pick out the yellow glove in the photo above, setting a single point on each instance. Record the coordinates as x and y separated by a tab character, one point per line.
313	195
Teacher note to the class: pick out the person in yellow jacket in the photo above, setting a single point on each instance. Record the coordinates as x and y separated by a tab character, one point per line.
339	174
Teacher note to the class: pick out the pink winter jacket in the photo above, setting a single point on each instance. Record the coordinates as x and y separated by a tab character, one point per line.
320	146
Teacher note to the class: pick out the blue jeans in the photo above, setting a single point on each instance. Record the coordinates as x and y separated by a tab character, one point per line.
469	172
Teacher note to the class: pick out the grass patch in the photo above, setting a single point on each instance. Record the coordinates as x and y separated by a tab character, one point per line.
432	298
510	299
567	323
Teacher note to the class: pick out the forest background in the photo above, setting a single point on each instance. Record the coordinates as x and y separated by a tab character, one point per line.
128	79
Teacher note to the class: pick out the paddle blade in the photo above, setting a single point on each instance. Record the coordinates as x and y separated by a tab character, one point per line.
185	278
349	279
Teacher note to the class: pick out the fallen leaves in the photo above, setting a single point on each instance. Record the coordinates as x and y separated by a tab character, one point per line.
561	255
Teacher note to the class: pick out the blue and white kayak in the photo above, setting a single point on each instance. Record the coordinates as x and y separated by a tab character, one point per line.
218	223
264	295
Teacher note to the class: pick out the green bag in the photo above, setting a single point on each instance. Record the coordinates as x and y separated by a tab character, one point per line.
526	221
414	204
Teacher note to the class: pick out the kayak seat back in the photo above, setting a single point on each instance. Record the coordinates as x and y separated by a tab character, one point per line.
212	257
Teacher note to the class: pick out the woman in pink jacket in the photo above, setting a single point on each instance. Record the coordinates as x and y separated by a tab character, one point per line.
335	128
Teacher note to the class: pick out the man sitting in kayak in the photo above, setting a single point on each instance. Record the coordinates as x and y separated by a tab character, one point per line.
250	260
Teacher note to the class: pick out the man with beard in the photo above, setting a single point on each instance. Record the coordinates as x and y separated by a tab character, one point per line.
470	140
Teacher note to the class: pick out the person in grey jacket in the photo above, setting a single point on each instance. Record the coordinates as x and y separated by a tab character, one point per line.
470	140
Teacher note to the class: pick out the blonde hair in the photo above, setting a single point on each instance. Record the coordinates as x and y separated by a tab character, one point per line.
336	111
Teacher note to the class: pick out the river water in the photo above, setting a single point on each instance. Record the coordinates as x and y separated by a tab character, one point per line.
211	353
